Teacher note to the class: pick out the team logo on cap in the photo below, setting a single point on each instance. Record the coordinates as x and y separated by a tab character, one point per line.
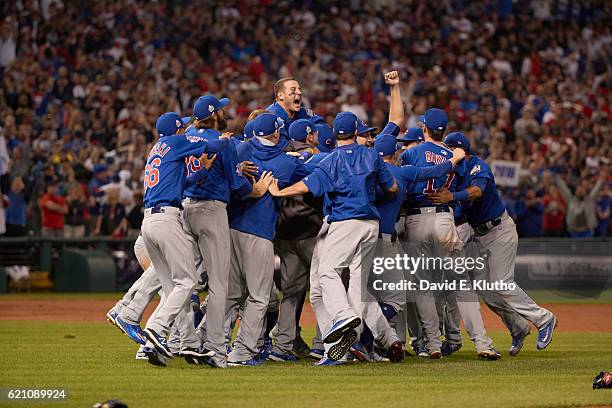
308	129
178	123
211	108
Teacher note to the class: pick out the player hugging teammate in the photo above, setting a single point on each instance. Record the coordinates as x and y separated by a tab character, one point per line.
326	201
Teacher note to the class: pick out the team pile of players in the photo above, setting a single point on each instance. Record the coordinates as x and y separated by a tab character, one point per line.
325	200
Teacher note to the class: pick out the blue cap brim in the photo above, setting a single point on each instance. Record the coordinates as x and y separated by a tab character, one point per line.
366	130
185	120
405	138
223	102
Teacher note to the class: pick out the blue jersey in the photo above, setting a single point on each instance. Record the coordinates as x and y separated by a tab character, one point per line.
473	171
165	173
427	154
349	175
392	129
279	111
314	161
406	177
258	216
223	176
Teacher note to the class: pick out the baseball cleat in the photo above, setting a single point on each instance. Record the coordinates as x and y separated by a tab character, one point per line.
111	315
545	333
421	351
316	353
377	358
339	328
435	355
140	354
395	353
326	362
359	351
449	348
195	355
247	363
338	350
517	342
299	345
287	358
159	342
133	331
490	354
216	363
155	357
264	351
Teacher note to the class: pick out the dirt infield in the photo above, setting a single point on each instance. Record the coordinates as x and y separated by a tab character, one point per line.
572	317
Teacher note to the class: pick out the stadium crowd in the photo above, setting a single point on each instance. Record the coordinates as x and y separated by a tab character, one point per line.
82	83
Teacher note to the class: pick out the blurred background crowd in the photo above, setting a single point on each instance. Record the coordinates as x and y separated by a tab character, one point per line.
82	83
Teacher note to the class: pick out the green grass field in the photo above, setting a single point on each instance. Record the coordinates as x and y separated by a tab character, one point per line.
95	362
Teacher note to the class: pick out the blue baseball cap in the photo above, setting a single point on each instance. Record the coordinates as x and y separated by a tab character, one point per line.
363	128
248	129
385	144
435	119
207	104
185	120
412	135
301	128
327	140
168	124
457	139
345	123
265	124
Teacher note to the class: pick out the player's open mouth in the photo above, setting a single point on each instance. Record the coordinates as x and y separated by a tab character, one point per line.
297	102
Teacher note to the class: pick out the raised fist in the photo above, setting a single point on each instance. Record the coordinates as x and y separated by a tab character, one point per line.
392	78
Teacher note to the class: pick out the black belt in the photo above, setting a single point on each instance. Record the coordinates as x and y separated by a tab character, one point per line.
158	210
482	229
417	211
460	220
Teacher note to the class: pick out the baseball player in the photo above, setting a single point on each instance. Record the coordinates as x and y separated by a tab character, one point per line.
288	105
348	176
408	317
205	217
170	248
252	223
430	227
392	303
495	233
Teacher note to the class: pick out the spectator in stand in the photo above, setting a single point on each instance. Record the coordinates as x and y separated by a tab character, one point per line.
16	209
54	209
529	216
136	215
581	208
554	213
77	216
4	164
112	220
603	212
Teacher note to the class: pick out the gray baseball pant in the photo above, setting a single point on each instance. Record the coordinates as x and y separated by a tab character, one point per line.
207	222
251	273
427	232
171	251
295	258
349	244
501	243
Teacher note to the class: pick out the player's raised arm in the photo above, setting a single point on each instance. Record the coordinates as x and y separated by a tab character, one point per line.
396	107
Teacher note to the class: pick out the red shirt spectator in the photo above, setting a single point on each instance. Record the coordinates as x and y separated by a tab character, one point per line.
554	212
53	209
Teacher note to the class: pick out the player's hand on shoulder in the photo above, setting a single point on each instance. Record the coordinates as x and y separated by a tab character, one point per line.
273	188
261	186
458	155
392	78
207	160
248	168
441	197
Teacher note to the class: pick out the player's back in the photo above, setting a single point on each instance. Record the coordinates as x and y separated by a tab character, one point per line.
427	154
164	174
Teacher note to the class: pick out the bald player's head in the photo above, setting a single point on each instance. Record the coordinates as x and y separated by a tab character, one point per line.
288	94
